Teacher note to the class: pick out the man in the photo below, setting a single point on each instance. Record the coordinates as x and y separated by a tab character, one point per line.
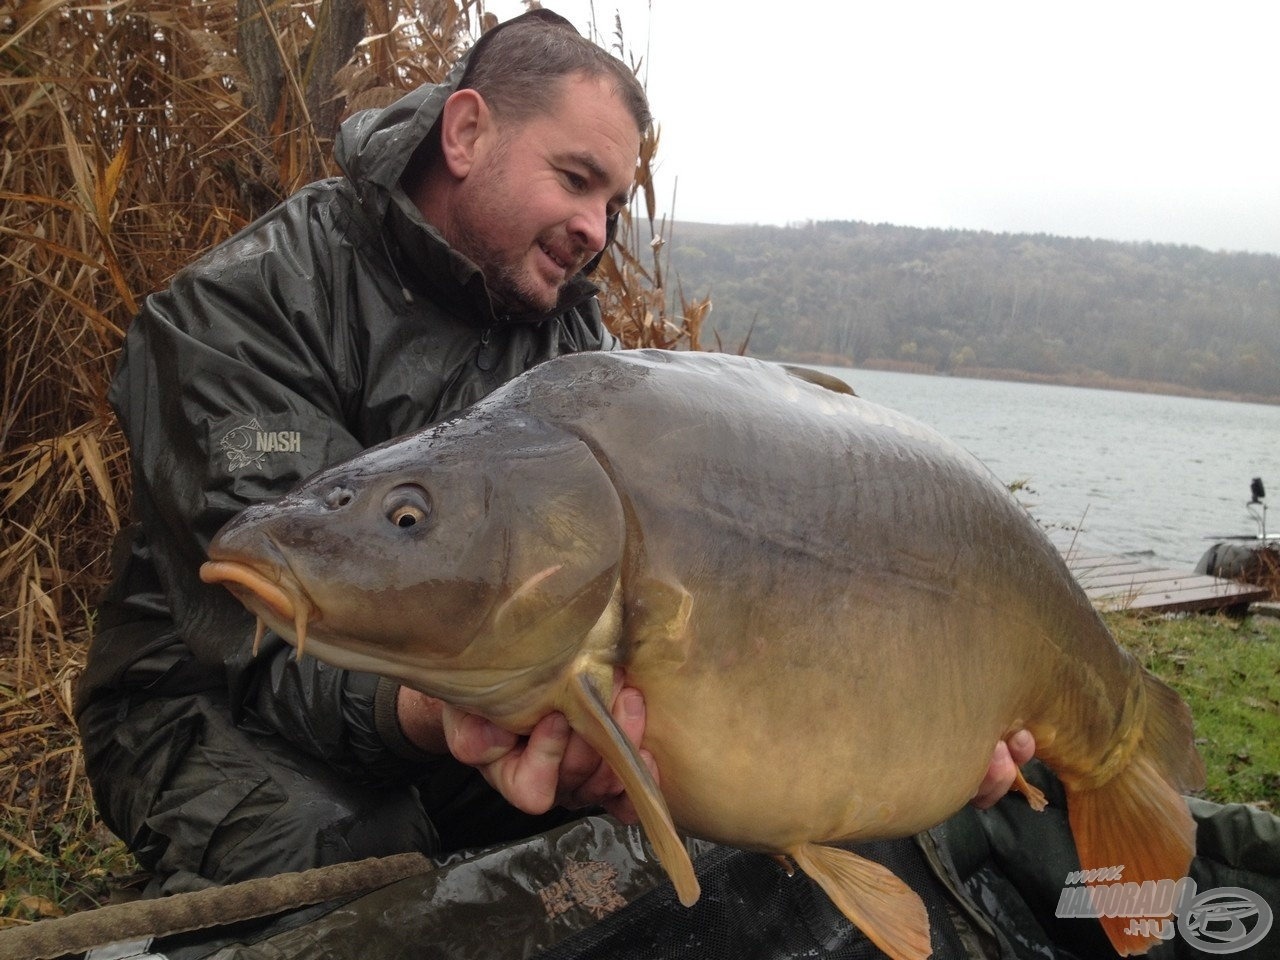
449	259
356	311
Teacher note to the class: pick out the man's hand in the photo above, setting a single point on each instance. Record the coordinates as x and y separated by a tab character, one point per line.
552	766
1009	755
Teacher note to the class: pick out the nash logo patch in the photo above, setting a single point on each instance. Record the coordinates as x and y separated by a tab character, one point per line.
247	445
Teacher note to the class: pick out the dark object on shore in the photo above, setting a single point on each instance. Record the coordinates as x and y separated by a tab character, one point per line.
1252	560
1248	559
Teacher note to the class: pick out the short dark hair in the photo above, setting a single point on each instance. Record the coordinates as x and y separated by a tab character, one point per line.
517	67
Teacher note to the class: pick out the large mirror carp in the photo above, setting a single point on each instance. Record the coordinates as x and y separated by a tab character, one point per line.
833	614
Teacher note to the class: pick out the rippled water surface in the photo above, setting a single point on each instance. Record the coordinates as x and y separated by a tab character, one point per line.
1139	473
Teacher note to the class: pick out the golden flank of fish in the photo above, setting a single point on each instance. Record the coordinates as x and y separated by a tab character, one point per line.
833	614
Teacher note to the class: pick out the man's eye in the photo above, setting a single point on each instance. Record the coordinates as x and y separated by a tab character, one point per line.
576	181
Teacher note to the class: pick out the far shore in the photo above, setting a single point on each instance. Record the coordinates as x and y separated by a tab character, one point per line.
1084	378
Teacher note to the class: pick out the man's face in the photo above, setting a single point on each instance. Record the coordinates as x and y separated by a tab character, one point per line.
532	213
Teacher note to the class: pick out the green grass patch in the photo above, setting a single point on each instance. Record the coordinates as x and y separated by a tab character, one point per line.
1228	671
73	865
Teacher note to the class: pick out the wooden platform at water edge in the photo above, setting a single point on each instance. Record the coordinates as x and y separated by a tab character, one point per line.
1132	583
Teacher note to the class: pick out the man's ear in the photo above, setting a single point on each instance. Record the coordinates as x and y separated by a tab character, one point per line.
464	124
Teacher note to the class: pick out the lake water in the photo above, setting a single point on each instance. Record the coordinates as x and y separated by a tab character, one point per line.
1136	473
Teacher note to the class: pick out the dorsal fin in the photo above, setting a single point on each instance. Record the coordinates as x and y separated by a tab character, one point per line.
818	378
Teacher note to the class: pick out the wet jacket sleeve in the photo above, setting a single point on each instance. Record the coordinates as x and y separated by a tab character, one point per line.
232	389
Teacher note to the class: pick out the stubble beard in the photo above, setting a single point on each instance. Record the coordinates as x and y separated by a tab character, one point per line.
506	273
512	290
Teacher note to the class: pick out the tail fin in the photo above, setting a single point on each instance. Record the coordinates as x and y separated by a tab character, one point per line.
1138	819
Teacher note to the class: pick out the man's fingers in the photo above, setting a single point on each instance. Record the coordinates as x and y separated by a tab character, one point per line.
1007	757
999	777
1022	746
628	712
529	775
553	764
581	764
474	740
525	772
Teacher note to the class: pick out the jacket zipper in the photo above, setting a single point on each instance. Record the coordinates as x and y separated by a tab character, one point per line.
486	355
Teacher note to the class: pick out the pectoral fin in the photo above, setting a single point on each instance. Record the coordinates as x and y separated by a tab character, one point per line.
1035	796
889	912
591	718
658	621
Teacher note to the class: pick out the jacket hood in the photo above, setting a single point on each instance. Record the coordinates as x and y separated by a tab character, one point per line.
374	147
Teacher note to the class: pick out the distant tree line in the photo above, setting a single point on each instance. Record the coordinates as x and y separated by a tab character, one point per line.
856	293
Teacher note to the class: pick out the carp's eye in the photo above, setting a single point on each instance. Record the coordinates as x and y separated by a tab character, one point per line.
407	506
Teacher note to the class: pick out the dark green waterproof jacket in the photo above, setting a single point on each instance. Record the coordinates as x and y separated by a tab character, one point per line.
336	321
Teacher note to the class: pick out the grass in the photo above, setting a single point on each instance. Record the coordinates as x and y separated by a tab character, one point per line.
80	865
1228	671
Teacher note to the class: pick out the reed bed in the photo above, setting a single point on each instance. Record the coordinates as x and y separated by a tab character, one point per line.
134	135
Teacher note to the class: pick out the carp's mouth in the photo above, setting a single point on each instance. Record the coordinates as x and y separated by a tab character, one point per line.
287	600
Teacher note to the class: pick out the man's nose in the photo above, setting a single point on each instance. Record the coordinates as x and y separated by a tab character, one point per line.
589	225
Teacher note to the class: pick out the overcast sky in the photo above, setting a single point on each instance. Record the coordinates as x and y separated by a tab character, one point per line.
1121	120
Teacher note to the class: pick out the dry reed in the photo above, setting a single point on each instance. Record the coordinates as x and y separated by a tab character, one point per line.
135	135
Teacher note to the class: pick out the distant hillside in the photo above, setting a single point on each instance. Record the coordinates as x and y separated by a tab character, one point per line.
1085	311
